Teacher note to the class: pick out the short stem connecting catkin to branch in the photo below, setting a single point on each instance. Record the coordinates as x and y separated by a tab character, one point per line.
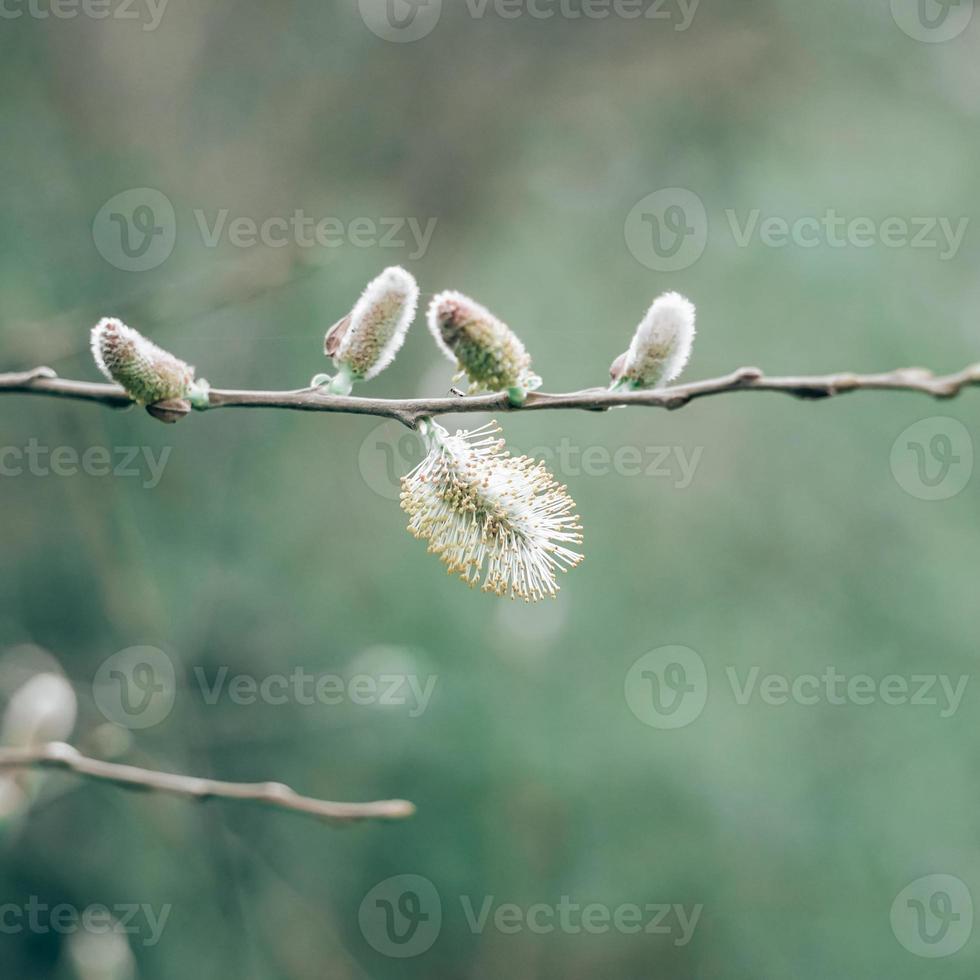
58	755
41	381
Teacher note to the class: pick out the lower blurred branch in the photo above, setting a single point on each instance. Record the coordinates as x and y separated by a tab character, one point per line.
58	755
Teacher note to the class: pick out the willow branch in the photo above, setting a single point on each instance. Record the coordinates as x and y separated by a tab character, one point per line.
58	755
43	381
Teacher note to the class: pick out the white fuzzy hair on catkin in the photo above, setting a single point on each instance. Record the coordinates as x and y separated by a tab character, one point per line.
379	322
662	343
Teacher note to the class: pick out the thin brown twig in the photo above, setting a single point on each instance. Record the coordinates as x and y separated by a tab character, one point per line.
42	381
58	755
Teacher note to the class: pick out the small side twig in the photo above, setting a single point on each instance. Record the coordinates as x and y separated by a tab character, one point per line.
58	755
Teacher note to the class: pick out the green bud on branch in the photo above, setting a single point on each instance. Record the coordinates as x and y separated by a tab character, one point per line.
485	349
147	372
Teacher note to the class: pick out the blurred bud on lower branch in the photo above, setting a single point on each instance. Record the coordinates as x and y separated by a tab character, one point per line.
42	710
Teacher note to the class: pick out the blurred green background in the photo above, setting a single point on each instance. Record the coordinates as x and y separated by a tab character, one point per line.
804	538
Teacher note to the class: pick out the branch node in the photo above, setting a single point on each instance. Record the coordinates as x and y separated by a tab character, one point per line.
914	375
26	378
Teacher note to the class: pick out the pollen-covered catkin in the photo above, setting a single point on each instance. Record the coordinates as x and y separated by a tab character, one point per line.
490	516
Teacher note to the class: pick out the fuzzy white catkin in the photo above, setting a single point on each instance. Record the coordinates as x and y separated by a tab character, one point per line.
42	710
662	343
378	323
